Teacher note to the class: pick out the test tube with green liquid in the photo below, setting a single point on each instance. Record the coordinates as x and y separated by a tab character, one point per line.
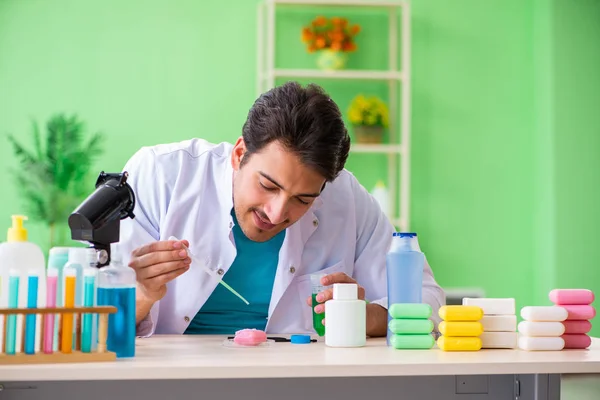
317	287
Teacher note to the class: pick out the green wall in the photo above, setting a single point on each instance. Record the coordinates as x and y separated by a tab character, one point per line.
577	144
472	123
504	116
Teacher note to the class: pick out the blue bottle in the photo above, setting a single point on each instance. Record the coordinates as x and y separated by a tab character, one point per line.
116	287
404	265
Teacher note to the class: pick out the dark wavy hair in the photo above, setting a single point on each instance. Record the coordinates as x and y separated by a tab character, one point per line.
306	121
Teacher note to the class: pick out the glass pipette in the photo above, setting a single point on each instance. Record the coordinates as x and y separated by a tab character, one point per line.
210	271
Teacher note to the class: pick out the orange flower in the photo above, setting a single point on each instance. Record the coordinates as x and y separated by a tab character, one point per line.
320	21
336	36
320	42
306	35
349	46
334	33
336	46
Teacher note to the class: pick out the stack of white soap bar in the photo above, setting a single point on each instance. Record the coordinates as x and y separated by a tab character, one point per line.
542	328
499	322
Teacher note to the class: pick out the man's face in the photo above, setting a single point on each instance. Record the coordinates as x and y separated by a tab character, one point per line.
272	190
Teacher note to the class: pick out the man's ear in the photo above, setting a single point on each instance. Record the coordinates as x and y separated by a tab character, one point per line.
239	149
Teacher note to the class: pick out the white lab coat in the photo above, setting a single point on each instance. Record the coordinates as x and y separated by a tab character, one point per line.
185	190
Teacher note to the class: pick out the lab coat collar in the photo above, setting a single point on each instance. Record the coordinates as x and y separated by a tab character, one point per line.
227	190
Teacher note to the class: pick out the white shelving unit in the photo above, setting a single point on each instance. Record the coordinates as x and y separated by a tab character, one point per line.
398	79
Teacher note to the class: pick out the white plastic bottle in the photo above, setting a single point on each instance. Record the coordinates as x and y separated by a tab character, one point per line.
381	194
23	256
345	317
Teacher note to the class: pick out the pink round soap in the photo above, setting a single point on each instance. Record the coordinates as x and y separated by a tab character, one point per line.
578	312
577	341
571	296
250	337
575	327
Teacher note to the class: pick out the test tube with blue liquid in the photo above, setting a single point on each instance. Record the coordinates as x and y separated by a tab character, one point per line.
30	319
87	326
116	287
11	320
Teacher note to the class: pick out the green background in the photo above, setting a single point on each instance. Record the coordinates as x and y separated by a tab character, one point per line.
505	113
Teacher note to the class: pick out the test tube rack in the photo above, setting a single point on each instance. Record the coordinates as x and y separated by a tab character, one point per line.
74	355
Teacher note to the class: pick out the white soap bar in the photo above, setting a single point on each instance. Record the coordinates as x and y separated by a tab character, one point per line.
498	340
536	328
541	343
544	313
499	323
492	306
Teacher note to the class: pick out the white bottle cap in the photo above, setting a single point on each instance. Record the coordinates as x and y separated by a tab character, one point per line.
345	291
78	255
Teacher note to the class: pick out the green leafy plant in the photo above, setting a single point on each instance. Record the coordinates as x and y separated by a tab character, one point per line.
52	178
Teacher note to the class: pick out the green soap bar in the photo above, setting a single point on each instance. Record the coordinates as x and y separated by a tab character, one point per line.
411	326
412	342
410	310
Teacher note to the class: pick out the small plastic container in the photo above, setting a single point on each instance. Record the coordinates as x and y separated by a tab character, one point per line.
116	287
346	317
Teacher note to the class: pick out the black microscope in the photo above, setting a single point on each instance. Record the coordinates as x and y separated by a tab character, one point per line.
98	218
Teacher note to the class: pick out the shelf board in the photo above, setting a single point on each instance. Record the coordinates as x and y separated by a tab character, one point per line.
341	74
355	3
377	148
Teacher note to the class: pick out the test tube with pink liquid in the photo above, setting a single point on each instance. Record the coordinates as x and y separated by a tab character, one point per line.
51	283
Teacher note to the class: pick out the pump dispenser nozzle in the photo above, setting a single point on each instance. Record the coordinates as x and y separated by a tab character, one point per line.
17	233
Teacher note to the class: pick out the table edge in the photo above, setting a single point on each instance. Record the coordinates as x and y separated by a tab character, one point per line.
72	372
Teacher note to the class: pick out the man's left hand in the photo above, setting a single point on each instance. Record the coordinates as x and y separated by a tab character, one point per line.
327	280
376	315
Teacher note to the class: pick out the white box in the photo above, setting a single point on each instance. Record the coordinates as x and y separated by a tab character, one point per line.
499	340
499	323
492	306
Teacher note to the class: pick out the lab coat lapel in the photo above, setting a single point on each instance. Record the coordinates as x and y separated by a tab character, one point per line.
213	248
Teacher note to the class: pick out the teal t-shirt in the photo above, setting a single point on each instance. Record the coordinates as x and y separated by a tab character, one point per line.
251	275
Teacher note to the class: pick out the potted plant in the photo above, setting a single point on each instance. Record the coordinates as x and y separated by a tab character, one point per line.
369	116
52	178
332	39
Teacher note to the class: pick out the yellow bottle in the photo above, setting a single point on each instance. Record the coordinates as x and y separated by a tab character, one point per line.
460	328
459	343
461	313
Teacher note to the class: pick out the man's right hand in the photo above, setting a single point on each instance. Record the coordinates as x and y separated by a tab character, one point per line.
158	263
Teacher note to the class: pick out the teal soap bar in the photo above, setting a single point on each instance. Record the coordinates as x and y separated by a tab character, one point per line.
410	310
411	326
412	342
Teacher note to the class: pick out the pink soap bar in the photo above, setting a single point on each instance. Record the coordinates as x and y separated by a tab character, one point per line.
571	296
577	341
578	312
574	327
250	337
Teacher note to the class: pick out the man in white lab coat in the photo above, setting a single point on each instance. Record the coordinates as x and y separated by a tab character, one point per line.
263	215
